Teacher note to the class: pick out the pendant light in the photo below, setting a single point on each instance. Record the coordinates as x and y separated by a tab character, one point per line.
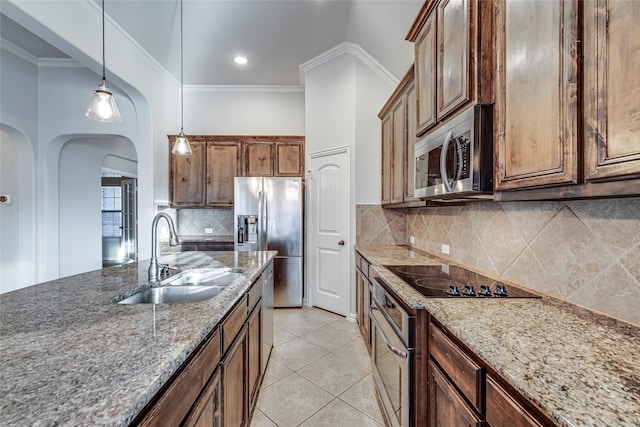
181	146
103	107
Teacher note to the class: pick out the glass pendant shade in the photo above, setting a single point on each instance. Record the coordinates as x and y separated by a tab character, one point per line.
103	107
181	146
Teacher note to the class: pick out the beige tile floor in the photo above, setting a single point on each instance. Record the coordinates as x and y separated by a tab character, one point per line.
319	374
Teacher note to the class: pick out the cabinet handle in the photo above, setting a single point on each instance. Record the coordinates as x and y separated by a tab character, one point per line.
395	350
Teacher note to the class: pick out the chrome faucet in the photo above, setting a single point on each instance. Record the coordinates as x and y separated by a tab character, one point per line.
154	267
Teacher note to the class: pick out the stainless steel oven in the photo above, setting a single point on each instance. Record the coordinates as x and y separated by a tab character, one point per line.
455	160
392	355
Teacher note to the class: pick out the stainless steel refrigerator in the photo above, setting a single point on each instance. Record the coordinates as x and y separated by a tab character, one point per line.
268	216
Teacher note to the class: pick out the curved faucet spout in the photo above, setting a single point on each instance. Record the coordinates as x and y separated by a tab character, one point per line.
154	269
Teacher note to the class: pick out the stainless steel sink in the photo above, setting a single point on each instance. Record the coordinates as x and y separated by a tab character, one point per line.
174	294
204	277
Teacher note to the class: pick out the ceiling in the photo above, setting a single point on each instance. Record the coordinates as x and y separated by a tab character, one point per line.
276	36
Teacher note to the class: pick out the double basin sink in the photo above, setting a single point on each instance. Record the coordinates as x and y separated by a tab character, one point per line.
188	286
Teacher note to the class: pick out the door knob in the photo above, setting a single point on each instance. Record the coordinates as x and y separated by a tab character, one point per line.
341	242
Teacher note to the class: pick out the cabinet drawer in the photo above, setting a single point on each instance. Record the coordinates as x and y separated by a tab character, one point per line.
255	293
503	409
466	374
176	401
232	324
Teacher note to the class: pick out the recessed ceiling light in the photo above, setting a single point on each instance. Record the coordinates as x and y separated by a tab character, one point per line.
240	60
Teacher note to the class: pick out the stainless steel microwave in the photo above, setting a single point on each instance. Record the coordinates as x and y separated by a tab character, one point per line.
455	160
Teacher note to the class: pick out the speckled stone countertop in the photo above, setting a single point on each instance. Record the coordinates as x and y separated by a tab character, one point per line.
579	367
70	356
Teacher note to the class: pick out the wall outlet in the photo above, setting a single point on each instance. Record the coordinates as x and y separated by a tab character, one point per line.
412	240
445	268
445	249
208	231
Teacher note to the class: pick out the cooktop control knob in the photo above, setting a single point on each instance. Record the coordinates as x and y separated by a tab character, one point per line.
453	291
484	291
468	291
500	291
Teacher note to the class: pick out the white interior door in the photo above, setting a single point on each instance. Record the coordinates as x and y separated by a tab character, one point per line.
329	193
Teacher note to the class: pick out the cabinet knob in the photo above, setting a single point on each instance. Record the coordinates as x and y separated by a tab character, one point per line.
341	242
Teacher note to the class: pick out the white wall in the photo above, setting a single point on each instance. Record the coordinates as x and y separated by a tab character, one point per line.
343	95
80	219
257	111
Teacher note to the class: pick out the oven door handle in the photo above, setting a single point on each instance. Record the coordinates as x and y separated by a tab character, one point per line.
396	350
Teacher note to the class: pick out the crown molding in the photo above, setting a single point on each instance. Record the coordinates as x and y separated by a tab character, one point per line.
59	63
139	50
18	51
353	49
243	88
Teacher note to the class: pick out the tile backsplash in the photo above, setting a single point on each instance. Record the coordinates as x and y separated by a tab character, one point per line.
586	252
192	222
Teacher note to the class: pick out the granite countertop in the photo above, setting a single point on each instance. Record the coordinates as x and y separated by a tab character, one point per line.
70	356
577	366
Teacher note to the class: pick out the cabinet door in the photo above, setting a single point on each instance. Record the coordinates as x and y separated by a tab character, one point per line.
359	300
454	32
234	380
425	53
259	158
223	165
536	102
503	410
409	158
386	158
612	89
446	406
187	176
207	411
289	158
398	141
255	341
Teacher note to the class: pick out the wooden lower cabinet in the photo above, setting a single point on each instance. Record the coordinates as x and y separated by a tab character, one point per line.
234	383
446	405
504	408
207	412
254	365
177	400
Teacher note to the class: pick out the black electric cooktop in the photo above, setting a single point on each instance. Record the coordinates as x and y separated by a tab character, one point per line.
450	281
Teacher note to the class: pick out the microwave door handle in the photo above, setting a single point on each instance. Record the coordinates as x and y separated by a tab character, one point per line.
384	337
443	162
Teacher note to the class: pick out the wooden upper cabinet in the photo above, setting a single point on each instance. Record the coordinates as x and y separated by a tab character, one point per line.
612	89
398	143
386	158
410	161
206	177
258	158
187	175
454	54
425	54
289	158
454	38
223	165
536	103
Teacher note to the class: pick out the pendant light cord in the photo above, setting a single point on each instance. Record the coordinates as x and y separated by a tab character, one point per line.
104	75
181	75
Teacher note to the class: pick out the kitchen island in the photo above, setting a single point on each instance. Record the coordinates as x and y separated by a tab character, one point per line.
578	367
70	355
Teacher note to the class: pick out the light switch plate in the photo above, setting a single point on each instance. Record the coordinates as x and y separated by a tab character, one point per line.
208	231
445	249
